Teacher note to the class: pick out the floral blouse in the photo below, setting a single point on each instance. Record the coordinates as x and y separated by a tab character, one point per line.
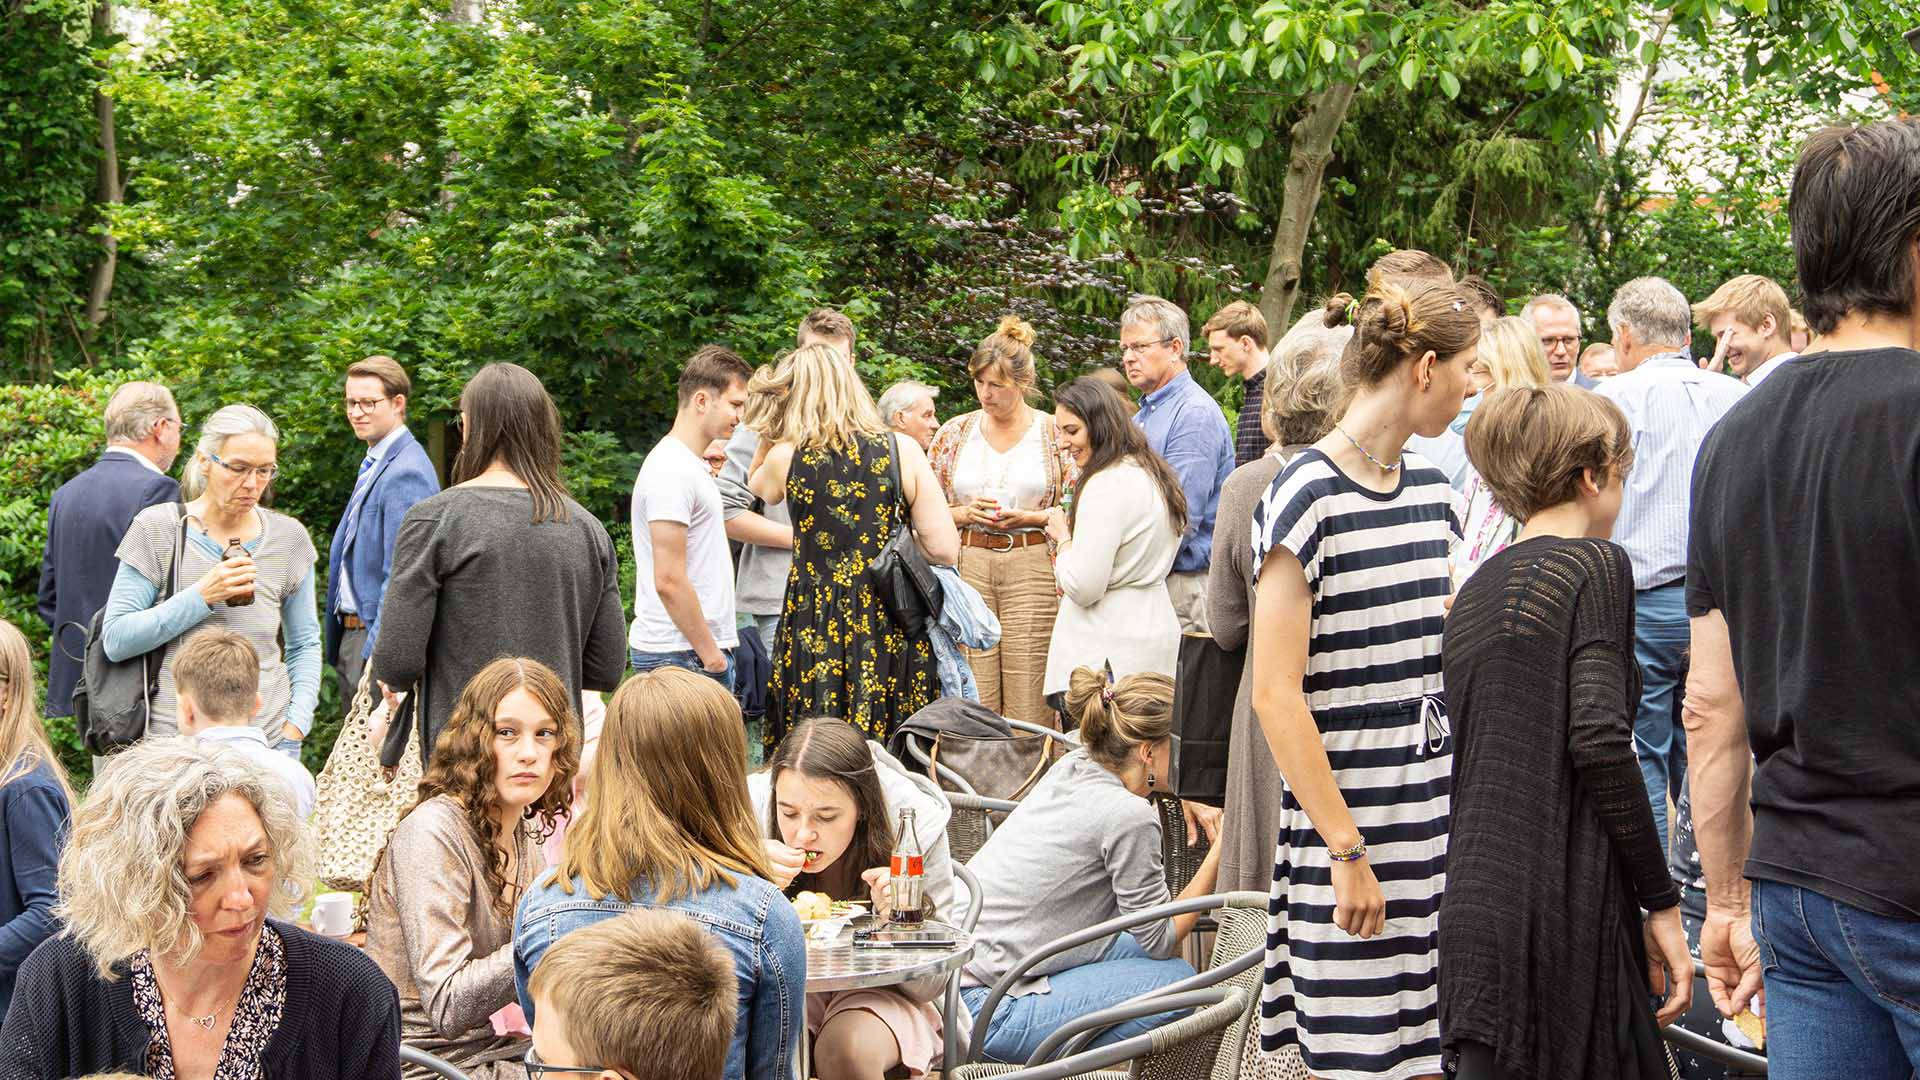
255	1017
1487	530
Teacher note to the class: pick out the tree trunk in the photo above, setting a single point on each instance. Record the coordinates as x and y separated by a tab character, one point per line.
108	191
1307	157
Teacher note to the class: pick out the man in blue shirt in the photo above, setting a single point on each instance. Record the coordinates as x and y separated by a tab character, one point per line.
1671	405
1184	425
394	474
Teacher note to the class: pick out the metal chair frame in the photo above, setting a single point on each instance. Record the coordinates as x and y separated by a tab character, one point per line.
1218	1007
414	1056
1097	932
954	1049
1213	975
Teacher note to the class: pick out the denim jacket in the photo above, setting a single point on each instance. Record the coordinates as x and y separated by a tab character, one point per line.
965	619
755	923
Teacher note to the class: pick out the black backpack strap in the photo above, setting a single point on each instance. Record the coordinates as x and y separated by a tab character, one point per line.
179	551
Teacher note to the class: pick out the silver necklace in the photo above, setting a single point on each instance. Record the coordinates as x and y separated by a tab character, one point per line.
1384	467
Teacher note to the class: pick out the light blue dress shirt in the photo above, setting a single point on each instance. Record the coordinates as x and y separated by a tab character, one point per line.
1671	405
1185	425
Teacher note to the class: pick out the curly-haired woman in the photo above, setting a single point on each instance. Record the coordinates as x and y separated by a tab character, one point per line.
440	913
174	961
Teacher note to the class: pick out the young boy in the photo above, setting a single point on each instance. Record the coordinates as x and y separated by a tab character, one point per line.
645	996
217	678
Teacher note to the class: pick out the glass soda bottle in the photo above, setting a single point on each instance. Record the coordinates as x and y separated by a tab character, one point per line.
236	551
909	875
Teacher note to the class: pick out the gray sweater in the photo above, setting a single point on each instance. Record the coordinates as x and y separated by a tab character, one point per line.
474	580
760	587
1079	850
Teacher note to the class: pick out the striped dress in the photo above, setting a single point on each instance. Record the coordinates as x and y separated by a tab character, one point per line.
1376	563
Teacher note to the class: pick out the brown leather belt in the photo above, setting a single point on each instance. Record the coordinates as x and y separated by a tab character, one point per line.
999	541
351	621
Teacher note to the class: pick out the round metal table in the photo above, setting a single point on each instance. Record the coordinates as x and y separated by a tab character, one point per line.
838	964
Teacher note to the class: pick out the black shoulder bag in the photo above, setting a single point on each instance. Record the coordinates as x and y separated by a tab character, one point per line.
113	700
901	576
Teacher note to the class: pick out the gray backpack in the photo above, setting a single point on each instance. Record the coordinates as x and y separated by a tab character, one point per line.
113	700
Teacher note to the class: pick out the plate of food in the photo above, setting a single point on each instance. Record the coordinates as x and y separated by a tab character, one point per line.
823	916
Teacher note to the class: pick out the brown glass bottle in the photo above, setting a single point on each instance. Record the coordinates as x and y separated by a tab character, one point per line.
236	551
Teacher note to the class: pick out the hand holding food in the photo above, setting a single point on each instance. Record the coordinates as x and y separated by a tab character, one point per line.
786	862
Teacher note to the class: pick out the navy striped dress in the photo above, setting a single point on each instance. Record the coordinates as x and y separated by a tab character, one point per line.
1376	563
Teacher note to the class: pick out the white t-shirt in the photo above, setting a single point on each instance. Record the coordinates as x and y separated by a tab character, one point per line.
675	485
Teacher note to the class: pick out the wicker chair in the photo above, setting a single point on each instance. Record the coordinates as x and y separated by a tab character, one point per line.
1100	932
1218	1007
970	823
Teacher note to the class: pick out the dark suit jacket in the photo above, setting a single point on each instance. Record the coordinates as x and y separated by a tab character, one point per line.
85	523
403	477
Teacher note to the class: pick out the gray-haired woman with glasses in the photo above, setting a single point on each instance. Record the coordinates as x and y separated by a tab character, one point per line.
263	590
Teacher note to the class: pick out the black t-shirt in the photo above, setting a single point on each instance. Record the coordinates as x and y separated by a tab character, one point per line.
1806	534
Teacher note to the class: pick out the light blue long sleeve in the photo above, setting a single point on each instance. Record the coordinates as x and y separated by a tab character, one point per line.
300	627
132	626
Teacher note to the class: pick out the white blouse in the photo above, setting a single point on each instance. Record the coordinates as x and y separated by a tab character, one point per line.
1017	478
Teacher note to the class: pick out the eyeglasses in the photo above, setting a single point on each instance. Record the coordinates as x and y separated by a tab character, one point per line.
536	1069
1143	346
1559	342
366	404
265	473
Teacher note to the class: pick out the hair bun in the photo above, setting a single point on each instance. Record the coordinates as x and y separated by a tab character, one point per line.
1015	329
1339	306
1387	315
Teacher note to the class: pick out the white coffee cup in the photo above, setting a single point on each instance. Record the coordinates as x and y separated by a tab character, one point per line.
333	914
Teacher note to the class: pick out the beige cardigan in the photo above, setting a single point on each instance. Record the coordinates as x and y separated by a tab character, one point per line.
432	927
1114	606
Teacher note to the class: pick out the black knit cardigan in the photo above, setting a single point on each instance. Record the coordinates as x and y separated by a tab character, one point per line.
341	1021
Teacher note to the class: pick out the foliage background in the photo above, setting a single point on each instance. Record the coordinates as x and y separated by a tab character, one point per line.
591	188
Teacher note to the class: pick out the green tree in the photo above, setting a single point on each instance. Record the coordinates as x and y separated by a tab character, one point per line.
1210	82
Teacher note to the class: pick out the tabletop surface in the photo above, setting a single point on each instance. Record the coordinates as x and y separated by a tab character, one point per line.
840	965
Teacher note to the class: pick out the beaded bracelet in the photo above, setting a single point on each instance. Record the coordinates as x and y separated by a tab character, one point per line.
1352	854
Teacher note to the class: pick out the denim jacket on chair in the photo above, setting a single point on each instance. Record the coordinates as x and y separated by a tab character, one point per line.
751	918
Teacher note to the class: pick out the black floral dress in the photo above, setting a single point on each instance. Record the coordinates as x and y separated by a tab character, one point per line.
839	653
255	1016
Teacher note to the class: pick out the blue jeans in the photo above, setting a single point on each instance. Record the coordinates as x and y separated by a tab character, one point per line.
1660	637
685	658
1020	1024
1843	987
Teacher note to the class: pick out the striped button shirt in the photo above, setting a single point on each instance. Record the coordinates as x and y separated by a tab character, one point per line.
1671	405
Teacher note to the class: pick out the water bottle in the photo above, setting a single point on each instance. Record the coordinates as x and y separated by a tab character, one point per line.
909	875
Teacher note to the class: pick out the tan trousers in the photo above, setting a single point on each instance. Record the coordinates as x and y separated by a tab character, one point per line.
1018	586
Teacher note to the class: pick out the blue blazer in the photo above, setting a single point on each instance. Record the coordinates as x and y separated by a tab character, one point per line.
86	521
403	477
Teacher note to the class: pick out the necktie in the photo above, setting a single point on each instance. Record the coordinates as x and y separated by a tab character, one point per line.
361	486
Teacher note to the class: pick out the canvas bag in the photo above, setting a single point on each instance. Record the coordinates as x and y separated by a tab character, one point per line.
357	806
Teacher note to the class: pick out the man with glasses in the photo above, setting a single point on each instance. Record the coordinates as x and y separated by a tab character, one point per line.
1184	425
89	515
394	474
1557	321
